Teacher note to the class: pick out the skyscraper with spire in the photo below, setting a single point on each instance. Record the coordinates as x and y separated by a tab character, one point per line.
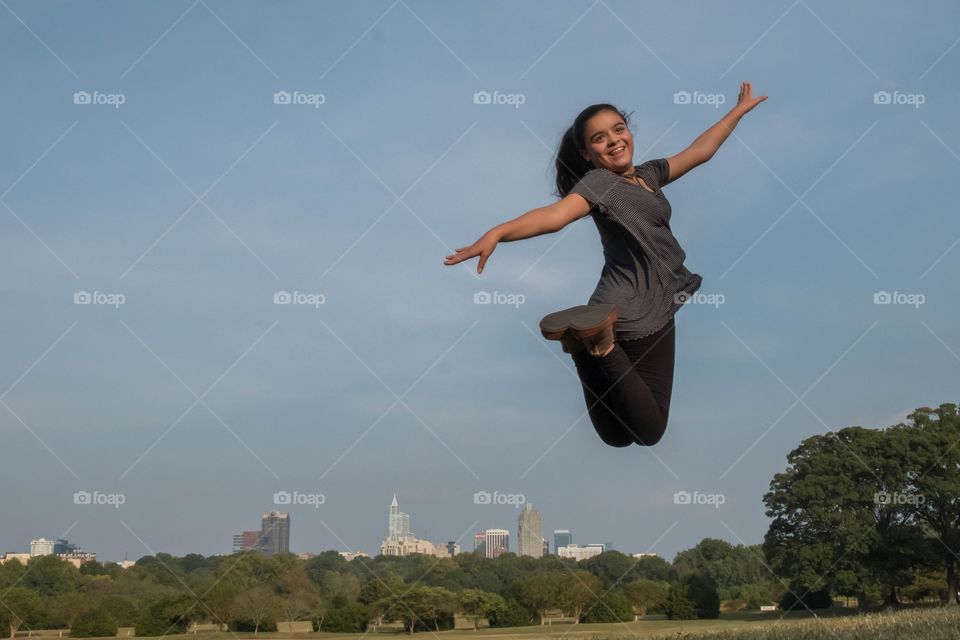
400	540
398	526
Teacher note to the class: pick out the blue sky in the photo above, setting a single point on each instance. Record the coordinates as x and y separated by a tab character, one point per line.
184	188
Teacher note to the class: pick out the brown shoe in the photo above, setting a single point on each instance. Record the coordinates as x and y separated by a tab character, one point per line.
591	324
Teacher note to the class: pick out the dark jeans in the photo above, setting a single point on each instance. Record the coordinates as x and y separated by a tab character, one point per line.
628	390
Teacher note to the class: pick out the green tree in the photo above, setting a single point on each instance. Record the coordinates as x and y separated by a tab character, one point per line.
50	575
702	590
63	608
93	623
934	468
679	604
823	508
218	595
170	615
612	566
345	617
298	596
510	614
480	605
540	592
612	606
256	607
22	605
647	596
576	590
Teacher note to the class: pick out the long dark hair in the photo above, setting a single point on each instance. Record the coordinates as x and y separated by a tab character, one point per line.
570	165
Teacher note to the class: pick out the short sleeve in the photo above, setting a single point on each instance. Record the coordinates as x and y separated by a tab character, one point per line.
594	187
659	168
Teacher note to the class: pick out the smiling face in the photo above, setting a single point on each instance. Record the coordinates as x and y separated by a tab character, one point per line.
608	142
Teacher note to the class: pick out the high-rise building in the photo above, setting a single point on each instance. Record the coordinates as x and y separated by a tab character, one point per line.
398	526
529	532
546	548
246	541
453	548
480	542
496	542
561	538
400	540
275	532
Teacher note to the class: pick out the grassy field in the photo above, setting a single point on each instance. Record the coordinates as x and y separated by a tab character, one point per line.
927	623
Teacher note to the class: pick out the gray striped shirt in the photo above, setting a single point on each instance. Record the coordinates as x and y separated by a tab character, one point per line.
643	272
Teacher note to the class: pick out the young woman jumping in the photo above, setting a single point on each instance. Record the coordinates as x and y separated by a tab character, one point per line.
622	341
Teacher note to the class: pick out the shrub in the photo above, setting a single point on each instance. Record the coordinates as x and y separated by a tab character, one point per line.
611	607
348	618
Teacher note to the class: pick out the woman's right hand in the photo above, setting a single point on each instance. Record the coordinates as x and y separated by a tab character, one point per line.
482	247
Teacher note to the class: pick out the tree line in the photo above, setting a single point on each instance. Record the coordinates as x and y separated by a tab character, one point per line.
248	591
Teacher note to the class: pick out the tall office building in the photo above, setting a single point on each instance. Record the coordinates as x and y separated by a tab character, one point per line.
398	526
561	538
400	540
275	532
529	534
480	542
496	542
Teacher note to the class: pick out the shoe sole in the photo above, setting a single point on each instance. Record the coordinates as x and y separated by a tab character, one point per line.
583	321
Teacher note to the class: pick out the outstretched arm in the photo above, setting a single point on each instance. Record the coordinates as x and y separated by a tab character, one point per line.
703	148
535	222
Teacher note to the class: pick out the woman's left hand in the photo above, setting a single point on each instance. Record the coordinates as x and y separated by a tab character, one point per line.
746	101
